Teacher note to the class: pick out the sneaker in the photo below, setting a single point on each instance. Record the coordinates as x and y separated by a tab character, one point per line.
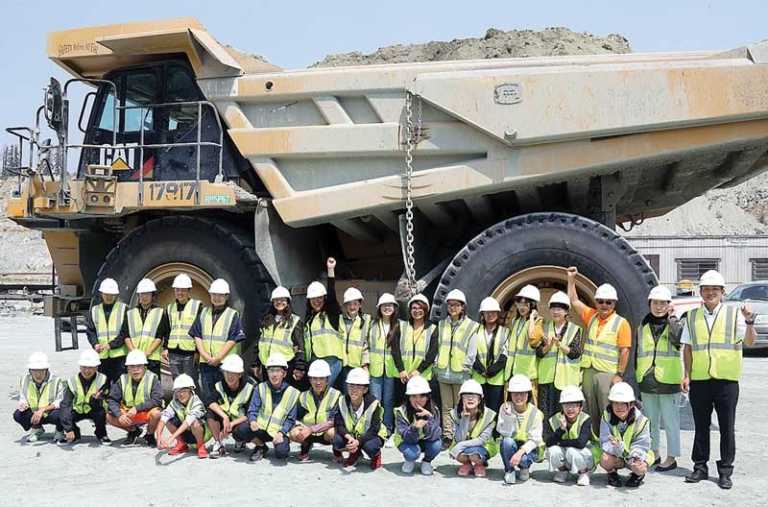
130	439
352	459
614	479
634	480
338	457
179	448
202	452
583	479
560	476
239	447
465	469
105	440
149	440
408	467
258	453
58	437
390	443
479	470
34	434
524	474
509	477
426	468
218	450
376	461
447	443
304	452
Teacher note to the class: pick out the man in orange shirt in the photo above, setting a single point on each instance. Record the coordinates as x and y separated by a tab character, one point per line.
607	342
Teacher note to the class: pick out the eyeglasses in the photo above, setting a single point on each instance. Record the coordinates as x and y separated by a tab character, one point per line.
604	302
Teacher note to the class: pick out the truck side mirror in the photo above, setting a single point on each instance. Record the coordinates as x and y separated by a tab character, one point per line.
53	105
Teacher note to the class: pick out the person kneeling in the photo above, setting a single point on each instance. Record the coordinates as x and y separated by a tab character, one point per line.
417	427
625	438
520	426
185	418
569	439
226	408
316	412
40	395
135	400
473	443
84	399
358	423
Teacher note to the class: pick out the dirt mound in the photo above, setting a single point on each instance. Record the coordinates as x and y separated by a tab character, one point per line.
21	250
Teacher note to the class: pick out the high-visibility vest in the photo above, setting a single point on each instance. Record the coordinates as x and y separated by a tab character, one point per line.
215	336
531	418
453	342
358	426
142	392
661	356
601	351
414	345
398	437
81	400
235	406
521	358
715	352
318	414
380	358
108	329
354	339
278	338
488	418
144	332
39	397
193	404
628	436
321	340
271	418
500	339
181	322
556	366
574	430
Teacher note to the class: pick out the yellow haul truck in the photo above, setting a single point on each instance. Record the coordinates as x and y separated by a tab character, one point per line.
483	175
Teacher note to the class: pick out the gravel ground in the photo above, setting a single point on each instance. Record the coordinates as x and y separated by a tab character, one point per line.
88	474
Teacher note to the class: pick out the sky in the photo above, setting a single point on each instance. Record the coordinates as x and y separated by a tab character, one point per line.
296	34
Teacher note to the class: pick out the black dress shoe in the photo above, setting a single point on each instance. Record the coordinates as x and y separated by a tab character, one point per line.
698	474
671	466
614	479
725	482
634	480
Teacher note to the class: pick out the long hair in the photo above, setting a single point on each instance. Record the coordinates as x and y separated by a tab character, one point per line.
426	314
394	325
480	406
513	309
630	418
269	319
499	322
411	412
311	313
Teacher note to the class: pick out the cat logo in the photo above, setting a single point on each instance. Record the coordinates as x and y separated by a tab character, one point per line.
120	165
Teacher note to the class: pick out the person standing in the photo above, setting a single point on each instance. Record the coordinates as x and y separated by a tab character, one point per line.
489	349
146	326
416	351
322	338
179	349
103	325
282	331
383	334
713	336
525	333
354	328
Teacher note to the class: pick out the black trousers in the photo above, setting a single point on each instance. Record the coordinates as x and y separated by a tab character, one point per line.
25	419
69	419
112	367
722	396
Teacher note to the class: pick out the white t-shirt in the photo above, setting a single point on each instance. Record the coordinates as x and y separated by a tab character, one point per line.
709	317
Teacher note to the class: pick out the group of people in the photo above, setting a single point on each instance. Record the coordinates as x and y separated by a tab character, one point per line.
509	383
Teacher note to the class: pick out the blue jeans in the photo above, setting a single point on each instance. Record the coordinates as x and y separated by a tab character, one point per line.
510	447
411	452
209	375
383	389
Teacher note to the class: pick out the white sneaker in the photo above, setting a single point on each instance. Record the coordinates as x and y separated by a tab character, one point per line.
408	467
34	434
390	443
426	468
509	477
560	476
217	450
583	479
524	474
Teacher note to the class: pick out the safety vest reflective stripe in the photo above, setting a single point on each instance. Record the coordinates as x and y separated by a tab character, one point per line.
318	415
215	336
142	392
81	400
181	322
195	404
573	432
453	343
143	333
354	339
521	358
108	329
413	347
278	338
715	352
487	419
380	358
398	437
321	339
531	417
270	418
661	356
42	397
357	427
556	366
235	406
601	351
500	339
629	434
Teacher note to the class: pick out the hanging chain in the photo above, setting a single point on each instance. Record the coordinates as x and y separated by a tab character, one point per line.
411	138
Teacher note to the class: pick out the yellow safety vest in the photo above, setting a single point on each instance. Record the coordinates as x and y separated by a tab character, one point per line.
81	400
531	418
601	351
237	405
196	404
108	329
500	339
318	414
357	427
521	358
278	338
181	322
414	346
354	339
142	392
380	358
42	396
270	418
556	366
629	435
321	340
487	419
573	431
453	343
398	437
716	354
215	336
143	333
661	356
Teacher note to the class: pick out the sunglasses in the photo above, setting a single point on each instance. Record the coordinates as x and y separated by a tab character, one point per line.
605	302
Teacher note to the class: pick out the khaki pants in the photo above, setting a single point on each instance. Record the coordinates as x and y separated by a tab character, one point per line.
596	385
449	398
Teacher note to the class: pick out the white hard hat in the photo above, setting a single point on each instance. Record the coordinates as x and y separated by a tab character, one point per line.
89	358
319	369
489	304
183	381
519	384
182	281
219	286
135	358
38	361
660	293
233	364
386	299
418	298
276	359
571	394
606	291
280	292
417	385
712	279
146	286
316	290
456	295
529	292
621	392
352	294
471	386
358	377
109	286
560	298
